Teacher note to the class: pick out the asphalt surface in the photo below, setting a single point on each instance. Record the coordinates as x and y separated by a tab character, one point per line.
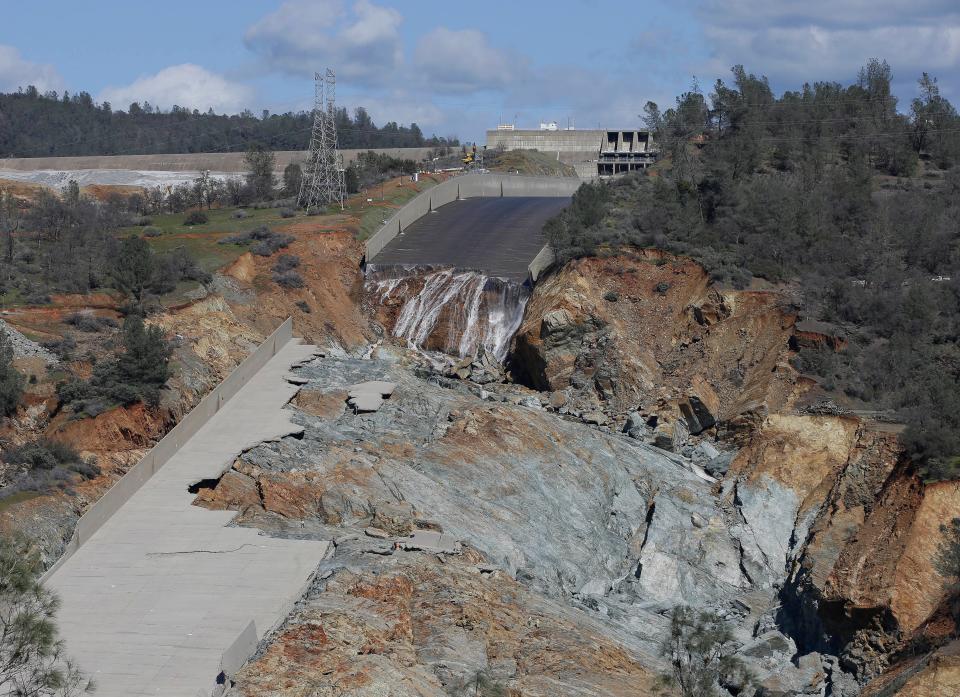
499	236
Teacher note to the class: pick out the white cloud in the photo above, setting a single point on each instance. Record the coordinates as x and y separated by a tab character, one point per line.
401	107
464	61
303	36
794	43
827	13
185	85
16	72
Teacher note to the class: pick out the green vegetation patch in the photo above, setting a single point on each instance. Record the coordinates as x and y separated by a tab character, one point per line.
787	189
375	213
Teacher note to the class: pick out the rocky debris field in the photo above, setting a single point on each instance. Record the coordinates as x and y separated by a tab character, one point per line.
576	544
24	347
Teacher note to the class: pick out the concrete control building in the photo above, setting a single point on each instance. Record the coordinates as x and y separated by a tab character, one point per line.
600	152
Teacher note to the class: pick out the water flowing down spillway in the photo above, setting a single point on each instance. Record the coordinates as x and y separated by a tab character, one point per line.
452	311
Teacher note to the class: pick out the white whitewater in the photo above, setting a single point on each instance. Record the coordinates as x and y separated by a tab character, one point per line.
456	312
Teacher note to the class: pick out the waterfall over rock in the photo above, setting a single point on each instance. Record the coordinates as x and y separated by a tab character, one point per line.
447	310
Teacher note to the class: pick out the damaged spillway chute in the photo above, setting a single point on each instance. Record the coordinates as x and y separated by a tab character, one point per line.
456	312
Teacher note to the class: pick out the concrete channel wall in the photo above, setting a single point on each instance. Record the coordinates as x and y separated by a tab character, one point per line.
137	476
467	186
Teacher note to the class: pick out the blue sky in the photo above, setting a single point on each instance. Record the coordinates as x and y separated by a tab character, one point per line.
456	68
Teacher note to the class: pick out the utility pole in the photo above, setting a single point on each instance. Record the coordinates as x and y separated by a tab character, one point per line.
323	180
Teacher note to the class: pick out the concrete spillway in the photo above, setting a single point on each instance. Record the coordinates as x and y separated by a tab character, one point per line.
164	595
499	236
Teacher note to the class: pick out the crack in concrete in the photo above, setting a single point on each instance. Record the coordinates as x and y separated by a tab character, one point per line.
200	551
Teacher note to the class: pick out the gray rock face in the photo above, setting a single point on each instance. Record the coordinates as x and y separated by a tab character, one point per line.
617	527
719	465
768	512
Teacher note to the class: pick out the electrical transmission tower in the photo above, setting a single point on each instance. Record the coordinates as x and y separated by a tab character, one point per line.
322	182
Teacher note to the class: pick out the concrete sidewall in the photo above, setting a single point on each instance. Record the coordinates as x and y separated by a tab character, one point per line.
108	504
467	186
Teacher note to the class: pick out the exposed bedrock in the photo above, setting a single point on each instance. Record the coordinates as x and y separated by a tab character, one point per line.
848	533
660	454
595	531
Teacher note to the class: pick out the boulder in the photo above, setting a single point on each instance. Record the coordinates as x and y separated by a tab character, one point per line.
636	426
558	400
554	321
698	417
708	450
596	418
396	517
718	466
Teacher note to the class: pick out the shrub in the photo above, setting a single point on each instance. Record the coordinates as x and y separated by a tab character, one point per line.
288	279
137	374
240	214
286	213
267	241
62	348
196	218
144	220
304	306
151	231
174	267
88	322
611	296
286	262
265	248
661	288
701	652
44	454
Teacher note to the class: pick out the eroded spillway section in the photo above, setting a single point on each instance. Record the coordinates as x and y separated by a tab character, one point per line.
457	312
497	236
161	593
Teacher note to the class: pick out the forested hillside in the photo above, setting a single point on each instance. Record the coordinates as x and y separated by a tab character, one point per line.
42	125
850	205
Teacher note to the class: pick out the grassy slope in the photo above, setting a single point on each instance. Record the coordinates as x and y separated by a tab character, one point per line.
372	214
530	162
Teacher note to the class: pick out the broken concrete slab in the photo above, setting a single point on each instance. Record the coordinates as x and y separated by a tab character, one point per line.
365	402
368	396
378	387
431	541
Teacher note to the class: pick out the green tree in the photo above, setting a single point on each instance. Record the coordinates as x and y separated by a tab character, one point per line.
11	381
10	219
292	176
32	661
260	165
351	179
133	268
700	651
145	362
